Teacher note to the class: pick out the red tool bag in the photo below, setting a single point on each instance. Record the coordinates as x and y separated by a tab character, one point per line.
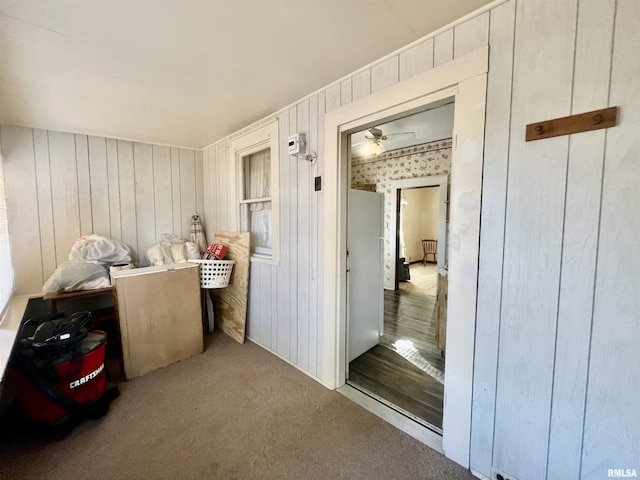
57	367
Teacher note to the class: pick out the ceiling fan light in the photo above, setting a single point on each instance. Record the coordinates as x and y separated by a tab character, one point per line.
372	148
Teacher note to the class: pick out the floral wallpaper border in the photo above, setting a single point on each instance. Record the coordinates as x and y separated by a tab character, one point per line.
432	158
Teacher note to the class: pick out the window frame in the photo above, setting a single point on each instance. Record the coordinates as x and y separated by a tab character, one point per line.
6	261
265	137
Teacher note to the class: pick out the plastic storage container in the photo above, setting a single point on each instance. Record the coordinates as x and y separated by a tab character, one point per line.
214	273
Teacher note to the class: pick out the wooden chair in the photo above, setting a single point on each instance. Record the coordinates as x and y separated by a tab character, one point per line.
429	247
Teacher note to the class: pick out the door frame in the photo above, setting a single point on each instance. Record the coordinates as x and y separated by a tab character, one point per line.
464	80
418	182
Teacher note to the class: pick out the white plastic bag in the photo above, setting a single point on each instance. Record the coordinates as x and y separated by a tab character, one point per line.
76	275
154	254
172	249
99	249
179	253
193	252
167	241
173	239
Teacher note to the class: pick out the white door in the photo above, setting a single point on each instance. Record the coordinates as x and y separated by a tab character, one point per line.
365	266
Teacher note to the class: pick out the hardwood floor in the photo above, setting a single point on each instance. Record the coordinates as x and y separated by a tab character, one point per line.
406	368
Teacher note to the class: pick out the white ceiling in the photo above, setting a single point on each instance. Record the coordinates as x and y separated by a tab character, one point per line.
189	72
426	126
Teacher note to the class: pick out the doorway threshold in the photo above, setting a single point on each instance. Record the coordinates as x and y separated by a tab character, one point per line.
408	423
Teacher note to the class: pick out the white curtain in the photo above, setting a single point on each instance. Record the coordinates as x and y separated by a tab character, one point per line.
6	270
258	185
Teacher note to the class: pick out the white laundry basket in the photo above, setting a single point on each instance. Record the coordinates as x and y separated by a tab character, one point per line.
214	273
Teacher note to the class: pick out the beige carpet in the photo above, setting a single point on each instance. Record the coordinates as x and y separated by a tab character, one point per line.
233	412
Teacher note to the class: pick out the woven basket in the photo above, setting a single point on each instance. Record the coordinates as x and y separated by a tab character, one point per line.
214	273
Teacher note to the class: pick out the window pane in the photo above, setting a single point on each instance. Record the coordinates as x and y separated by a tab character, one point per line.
257	174
260	226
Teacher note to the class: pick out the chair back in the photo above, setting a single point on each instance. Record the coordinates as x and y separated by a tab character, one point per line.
429	246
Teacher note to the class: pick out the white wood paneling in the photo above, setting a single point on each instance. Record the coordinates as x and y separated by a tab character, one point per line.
612	416
207	213
266	323
525	381
64	190
292	243
252	329
533	238
187	189
175	189
443	48
416	60
285	304
471	35
312	253
84	185
214	159
22	207
227	199
303	260
360	86
319	171
494	191
163	199
144	206
345	92
333	96
127	179
114	188
579	253
199	183
45	204
61	185
384	74
99	191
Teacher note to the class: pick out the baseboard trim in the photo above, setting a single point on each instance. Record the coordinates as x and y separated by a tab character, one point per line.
413	262
290	363
421	433
479	475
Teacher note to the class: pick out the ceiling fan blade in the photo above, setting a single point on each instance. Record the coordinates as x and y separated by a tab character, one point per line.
359	143
392	135
375	132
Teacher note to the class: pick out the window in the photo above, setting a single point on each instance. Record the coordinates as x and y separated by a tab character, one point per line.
6	272
256	160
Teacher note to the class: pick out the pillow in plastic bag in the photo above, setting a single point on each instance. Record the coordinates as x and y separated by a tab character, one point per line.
99	249
154	253
71	276
193	252
172	252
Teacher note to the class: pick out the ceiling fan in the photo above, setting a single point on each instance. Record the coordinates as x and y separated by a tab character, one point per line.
374	138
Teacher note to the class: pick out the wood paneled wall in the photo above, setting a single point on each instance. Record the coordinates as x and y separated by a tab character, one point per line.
555	371
557	334
62	185
284	300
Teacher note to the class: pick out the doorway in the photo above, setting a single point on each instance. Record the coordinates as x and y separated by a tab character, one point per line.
464	81
401	364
